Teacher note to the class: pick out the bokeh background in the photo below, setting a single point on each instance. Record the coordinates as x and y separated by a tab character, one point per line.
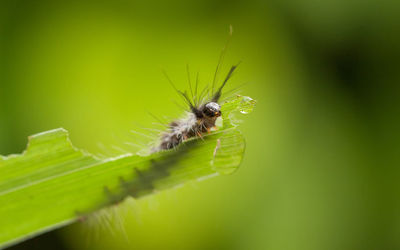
321	170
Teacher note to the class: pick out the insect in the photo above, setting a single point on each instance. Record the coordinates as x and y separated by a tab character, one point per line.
202	112
201	117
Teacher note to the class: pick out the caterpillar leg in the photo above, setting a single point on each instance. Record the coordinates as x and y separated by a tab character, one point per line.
199	135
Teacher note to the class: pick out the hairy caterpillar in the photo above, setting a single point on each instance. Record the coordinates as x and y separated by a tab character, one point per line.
201	118
202	111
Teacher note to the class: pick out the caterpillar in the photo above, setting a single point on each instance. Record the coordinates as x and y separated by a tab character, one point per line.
201	117
203	109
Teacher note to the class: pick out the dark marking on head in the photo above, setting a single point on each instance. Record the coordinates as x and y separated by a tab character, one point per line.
212	109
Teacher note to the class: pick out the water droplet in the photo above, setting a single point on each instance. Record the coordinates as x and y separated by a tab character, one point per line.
246	105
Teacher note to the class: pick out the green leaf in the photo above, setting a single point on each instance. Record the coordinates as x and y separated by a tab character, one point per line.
53	184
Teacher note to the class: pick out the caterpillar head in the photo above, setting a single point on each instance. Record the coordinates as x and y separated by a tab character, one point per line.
212	109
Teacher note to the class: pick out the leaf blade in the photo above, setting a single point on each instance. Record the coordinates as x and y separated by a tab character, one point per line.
53	183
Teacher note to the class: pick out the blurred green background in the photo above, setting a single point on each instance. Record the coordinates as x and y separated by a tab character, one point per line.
321	170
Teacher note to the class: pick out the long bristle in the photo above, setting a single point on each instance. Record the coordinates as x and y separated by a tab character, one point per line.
221	59
190	84
217	95
195	90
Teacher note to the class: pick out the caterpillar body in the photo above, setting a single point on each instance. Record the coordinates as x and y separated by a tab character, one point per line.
201	117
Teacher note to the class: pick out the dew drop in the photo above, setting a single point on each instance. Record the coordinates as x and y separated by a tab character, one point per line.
247	105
